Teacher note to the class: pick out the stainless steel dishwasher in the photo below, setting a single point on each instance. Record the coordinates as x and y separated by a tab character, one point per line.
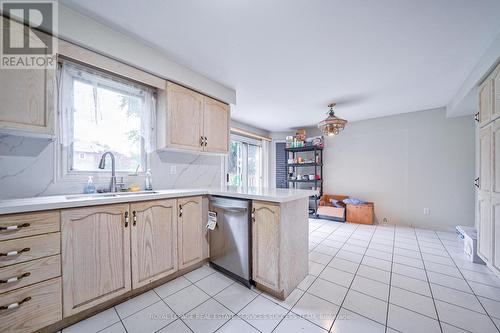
230	241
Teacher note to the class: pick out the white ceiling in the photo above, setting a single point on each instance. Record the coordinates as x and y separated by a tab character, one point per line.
288	59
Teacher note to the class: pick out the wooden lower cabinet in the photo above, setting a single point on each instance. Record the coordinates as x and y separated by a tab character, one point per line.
280	238
265	244
154	240
190	231
95	255
39	305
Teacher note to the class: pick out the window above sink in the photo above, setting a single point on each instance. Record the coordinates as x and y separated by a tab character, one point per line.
101	112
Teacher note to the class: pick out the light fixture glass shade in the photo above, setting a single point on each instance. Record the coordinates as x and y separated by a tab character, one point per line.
332	125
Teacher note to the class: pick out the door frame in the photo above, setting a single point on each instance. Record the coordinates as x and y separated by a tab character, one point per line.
245	141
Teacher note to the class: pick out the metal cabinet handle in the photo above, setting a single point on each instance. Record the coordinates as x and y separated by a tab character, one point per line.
14	227
180	210
253	214
15	305
201	141
134	218
206	141
14	253
229	208
126	219
476	182
15	278
476	117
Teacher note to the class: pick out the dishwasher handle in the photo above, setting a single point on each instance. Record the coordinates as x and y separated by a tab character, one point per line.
230	209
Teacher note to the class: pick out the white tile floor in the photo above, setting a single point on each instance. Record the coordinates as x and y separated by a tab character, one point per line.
361	279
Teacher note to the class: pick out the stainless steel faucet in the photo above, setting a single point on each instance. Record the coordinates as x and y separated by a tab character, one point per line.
102	165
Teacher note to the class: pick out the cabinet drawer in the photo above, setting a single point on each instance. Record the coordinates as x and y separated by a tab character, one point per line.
22	225
29	248
38	305
25	274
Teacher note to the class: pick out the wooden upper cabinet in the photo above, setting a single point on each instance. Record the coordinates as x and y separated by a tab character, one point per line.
190	231
495	157
154	240
194	121
265	244
485	158
95	255
27	97
496	93
485	102
216	126
185	118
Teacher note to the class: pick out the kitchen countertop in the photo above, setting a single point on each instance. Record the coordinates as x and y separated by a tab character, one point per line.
279	195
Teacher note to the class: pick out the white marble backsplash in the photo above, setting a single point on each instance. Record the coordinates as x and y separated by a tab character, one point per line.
28	169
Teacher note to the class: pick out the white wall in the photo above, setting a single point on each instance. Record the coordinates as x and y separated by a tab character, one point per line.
406	163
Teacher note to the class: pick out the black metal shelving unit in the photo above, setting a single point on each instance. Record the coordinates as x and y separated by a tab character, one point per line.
318	170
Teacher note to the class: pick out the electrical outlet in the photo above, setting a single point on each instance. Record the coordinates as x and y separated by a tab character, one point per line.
427	211
173	169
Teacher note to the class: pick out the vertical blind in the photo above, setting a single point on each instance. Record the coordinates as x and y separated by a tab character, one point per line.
281	174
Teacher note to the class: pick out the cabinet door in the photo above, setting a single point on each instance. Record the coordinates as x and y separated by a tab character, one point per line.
495	157
190	231
95	255
496	93
265	244
154	241
485	102
485	159
484	247
185	123
216	126
495	216
27	97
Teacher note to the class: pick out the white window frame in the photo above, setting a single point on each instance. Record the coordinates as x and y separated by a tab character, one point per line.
65	151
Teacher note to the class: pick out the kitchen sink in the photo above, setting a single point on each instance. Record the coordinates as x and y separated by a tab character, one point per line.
107	195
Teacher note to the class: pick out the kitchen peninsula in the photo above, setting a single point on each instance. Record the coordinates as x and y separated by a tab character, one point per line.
75	255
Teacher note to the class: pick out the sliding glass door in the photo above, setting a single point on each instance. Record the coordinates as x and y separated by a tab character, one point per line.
244	167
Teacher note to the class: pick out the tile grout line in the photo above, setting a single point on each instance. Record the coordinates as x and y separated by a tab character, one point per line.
178	317
316	277
165	302
102	329
114	307
353	277
467	282
429	282
191	284
390	279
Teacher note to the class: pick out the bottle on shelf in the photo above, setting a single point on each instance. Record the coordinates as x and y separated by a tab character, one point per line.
149	181
90	187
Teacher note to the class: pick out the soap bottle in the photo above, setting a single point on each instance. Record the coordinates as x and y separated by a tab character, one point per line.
149	181
90	187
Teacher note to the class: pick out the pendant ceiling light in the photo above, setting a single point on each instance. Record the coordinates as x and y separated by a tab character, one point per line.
332	125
